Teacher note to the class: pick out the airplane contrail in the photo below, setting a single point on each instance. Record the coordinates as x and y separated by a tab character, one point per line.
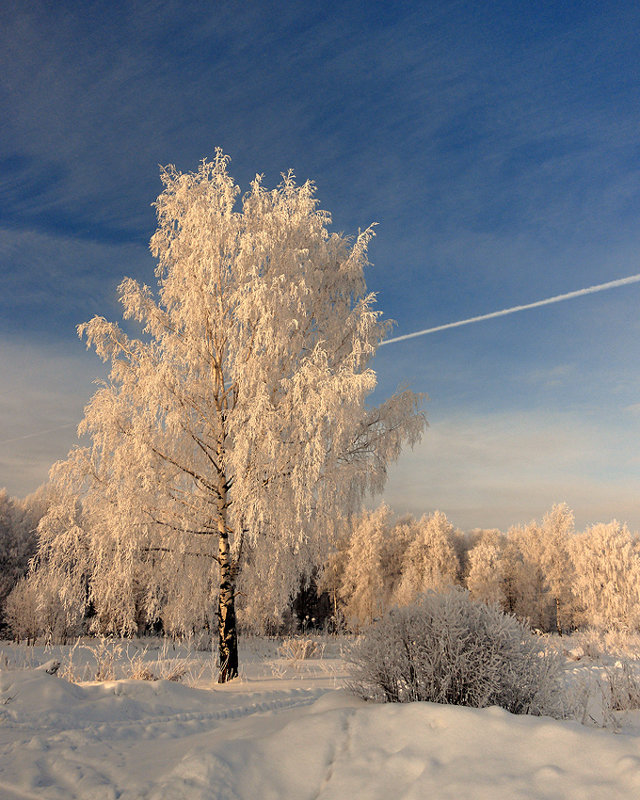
37	433
601	287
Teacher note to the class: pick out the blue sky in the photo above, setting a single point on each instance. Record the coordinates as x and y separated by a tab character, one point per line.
496	144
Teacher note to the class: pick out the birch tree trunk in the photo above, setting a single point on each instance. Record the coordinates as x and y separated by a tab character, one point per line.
227	632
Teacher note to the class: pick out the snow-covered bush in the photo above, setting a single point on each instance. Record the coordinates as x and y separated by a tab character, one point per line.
624	686
300	648
447	648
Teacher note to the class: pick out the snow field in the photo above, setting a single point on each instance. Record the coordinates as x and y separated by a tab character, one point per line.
294	737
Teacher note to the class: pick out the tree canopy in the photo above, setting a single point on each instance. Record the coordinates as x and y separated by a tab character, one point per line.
234	428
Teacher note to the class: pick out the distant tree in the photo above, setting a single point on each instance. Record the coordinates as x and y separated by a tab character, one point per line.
487	573
18	523
28	512
607	577
237	421
528	570
462	543
546	572
364	568
21	612
8	547
58	581
558	530
35	609
430	561
332	573
403	532
363	592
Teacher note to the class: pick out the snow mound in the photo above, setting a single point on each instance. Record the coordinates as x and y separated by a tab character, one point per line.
410	751
136	740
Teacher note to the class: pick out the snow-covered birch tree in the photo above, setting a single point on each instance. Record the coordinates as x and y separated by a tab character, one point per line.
486	578
430	562
238	416
607	577
363	589
545	575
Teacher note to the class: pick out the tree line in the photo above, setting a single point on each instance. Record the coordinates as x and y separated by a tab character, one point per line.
545	572
549	575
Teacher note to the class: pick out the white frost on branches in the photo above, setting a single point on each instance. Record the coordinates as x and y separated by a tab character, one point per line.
236	424
430	562
607	577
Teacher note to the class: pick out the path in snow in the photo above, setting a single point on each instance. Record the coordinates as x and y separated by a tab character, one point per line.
290	740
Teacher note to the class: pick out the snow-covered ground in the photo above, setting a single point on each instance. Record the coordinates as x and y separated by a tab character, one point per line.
284	730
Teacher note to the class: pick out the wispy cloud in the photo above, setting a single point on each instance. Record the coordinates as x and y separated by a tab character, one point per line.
38	433
43	390
54	282
496	156
496	470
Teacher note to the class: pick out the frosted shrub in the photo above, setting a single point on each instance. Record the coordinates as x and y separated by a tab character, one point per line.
624	687
107	653
299	649
447	648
